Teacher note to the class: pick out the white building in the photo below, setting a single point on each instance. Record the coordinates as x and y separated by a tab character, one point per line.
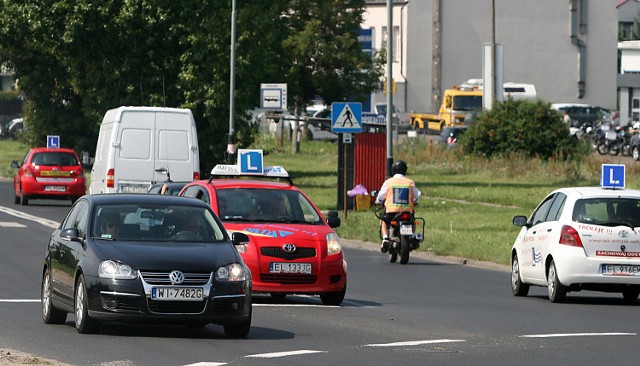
567	49
629	81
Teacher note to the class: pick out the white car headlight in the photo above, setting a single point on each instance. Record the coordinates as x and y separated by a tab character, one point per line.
333	244
232	272
117	270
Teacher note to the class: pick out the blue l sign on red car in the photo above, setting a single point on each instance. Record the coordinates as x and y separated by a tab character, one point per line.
250	161
612	176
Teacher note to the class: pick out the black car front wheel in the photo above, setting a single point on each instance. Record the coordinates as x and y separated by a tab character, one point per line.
84	323
238	330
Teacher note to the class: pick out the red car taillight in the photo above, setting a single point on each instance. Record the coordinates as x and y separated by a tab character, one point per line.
569	236
110	180
196	175
28	172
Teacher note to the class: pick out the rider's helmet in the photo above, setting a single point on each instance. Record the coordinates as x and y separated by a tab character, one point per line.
399	167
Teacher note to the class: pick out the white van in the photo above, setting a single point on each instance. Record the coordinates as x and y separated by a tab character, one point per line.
140	146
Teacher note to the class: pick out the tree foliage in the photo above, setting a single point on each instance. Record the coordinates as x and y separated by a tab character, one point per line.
532	129
75	59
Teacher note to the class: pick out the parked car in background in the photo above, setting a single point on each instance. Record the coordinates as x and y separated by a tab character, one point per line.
583	113
292	248
51	173
14	128
141	258
450	135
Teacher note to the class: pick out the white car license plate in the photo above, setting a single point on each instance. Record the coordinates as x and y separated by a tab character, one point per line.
277	267
406	229
133	189
55	188
620	270
177	293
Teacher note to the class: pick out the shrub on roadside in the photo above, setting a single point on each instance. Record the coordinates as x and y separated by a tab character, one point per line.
531	129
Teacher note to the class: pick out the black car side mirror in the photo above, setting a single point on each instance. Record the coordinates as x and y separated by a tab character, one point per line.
14	164
239	238
520	221
70	234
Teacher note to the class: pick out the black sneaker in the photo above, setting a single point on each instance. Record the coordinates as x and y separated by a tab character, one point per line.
384	248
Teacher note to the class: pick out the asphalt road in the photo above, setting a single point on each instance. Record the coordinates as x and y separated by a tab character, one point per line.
431	311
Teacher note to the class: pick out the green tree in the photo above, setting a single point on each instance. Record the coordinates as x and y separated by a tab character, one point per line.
532	129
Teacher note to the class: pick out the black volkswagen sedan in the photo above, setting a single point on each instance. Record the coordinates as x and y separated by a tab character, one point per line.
145	258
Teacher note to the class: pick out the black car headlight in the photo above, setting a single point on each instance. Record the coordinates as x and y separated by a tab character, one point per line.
231	273
116	270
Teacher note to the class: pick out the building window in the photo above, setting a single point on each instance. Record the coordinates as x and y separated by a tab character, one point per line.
395	52
625	31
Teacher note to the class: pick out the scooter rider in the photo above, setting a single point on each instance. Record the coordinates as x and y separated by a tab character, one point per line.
399	194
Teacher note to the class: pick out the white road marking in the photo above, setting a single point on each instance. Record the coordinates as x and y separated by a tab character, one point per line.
11	224
576	335
46	222
284	354
297	305
19	300
206	364
414	343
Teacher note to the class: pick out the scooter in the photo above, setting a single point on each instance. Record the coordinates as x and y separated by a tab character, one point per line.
406	232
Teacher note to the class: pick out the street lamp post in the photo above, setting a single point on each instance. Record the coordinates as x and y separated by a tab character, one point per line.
389	86
231	142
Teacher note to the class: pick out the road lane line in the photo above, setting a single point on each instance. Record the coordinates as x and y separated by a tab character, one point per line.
46	222
284	354
576	335
11	224
19	300
413	343
206	364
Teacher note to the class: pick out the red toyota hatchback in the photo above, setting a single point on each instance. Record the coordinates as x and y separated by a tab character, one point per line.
292	248
52	173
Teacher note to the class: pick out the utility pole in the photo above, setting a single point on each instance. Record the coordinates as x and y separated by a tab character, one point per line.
231	142
493	53
389	86
436	51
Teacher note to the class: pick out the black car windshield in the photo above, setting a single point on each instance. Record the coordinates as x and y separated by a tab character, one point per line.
138	222
266	205
608	211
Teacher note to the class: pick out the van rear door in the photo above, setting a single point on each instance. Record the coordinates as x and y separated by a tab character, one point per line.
176	143
134	162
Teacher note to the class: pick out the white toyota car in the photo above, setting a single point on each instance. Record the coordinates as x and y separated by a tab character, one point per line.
581	238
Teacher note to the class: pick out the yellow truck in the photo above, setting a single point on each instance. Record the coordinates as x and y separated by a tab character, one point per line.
457	104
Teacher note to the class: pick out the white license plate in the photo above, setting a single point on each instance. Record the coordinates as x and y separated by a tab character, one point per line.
276	267
55	188
620	270
177	293
406	229
133	189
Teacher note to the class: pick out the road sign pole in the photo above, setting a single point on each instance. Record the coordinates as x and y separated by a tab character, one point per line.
344	178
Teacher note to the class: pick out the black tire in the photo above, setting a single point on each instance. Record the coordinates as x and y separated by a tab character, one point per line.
602	148
333	298
238	330
84	323
16	200
24	200
50	314
517	287
635	153
405	248
630	295
557	291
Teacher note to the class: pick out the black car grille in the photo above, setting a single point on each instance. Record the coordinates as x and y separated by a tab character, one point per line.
162	278
277	252
177	307
291	279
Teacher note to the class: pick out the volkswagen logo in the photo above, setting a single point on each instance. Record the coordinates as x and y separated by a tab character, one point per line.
176	277
289	248
623	233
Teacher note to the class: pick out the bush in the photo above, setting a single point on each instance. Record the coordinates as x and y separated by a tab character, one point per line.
531	129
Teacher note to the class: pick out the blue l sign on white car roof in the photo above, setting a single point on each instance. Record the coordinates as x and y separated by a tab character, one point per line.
612	176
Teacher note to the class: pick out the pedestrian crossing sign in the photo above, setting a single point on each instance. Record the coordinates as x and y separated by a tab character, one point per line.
346	117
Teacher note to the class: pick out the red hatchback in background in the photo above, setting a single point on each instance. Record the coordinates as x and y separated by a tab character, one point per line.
52	173
292	247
